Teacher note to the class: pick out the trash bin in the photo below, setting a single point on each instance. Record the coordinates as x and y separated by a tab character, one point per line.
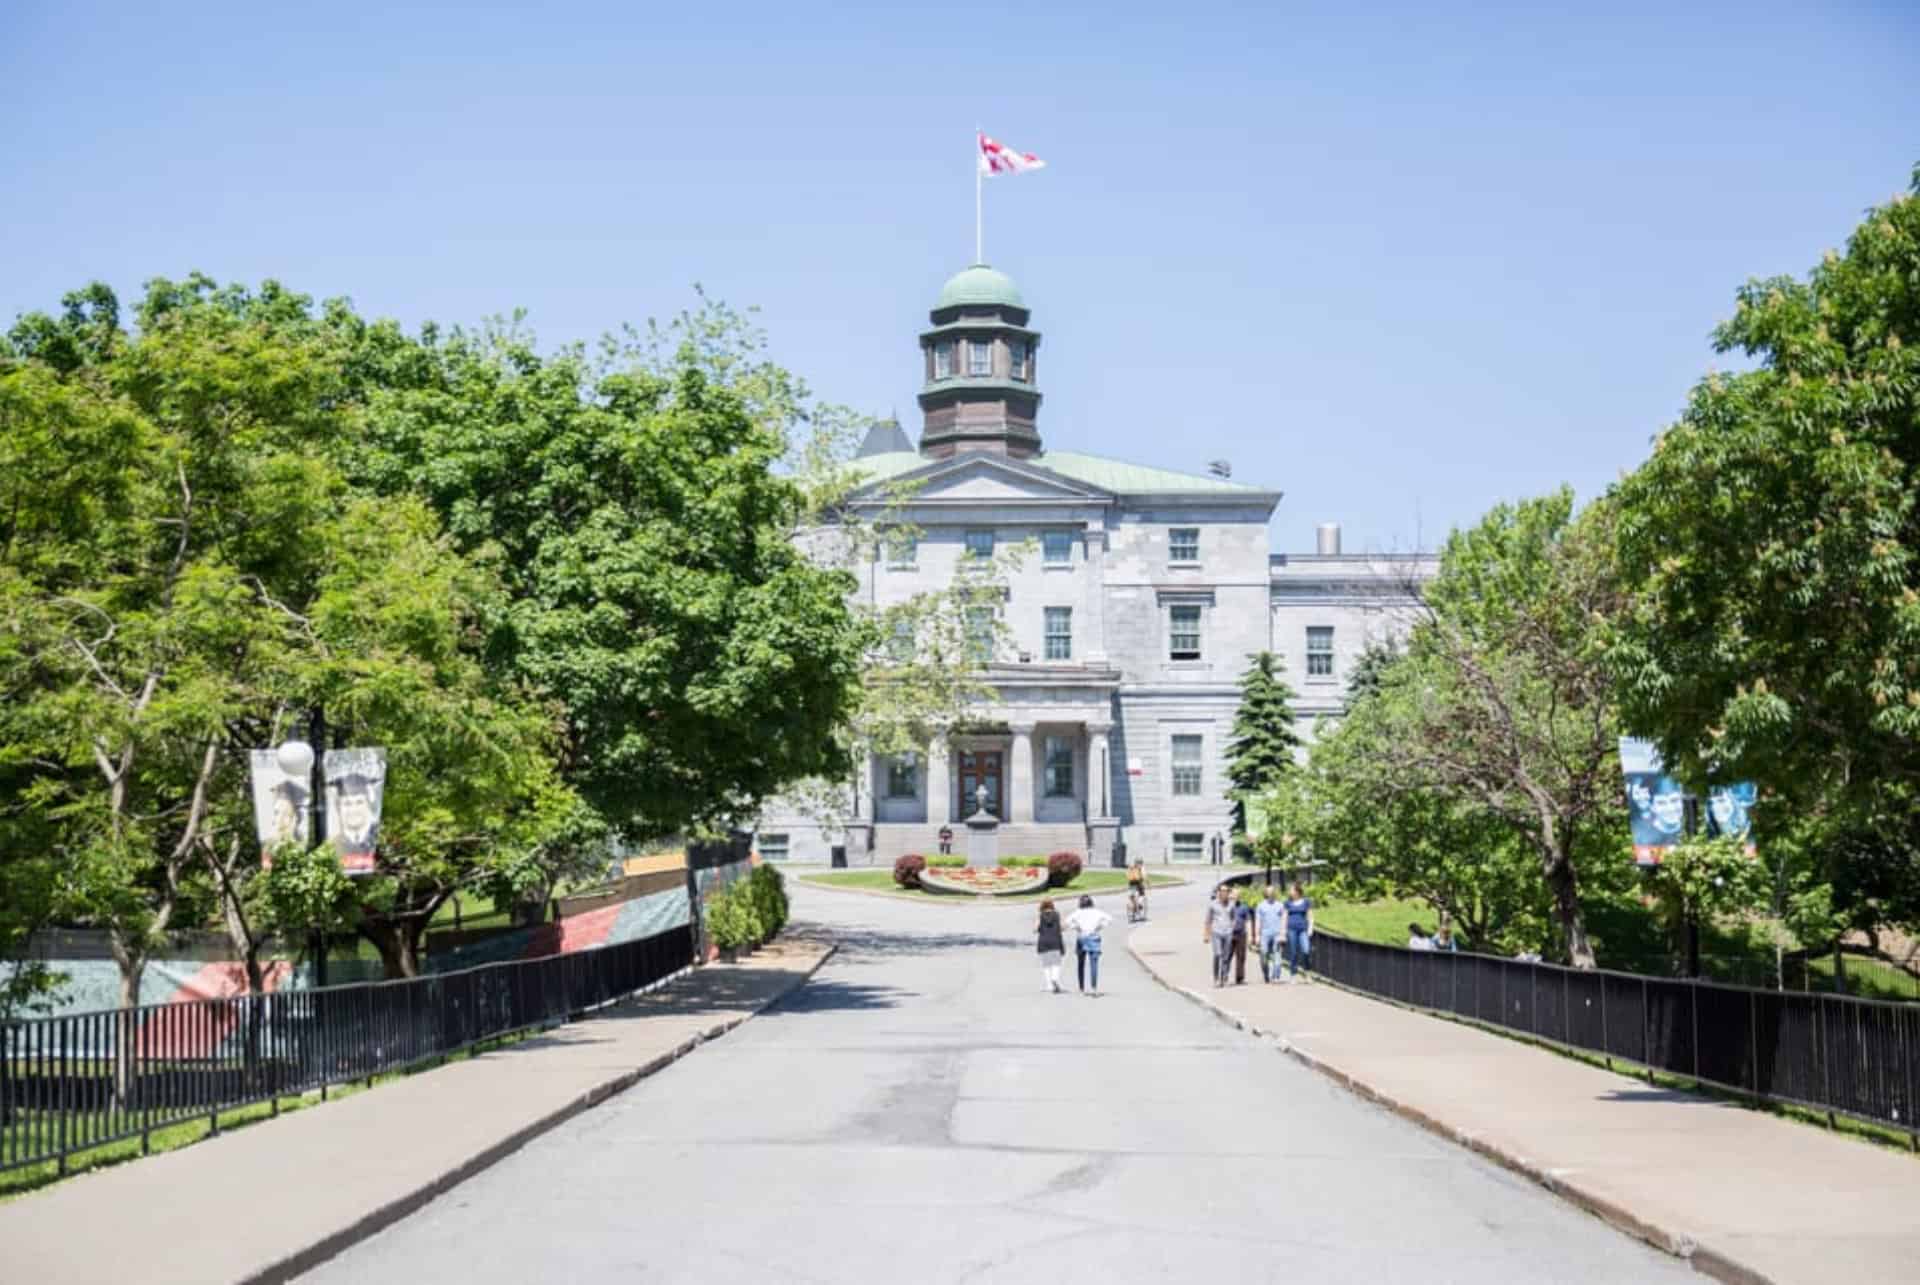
839	855
1119	855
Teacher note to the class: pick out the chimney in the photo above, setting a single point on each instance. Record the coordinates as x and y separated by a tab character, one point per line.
1328	543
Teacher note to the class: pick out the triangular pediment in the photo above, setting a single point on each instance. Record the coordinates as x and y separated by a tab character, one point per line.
976	477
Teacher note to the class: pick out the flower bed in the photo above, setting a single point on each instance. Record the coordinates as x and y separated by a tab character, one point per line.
984	881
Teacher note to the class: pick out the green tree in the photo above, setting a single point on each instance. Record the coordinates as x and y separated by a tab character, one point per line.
696	659
185	570
1503	704
1265	745
1772	546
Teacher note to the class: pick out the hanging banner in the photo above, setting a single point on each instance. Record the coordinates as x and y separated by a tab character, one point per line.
1730	812
280	809
1656	805
356	788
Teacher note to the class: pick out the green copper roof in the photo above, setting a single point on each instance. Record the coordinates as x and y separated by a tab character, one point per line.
1116	476
979	286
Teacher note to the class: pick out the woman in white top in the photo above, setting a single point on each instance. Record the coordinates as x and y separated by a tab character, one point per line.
1086	923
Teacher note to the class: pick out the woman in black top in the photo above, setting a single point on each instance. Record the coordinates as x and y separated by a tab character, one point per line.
1052	947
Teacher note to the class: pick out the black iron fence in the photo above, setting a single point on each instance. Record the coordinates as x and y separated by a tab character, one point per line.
85	1079
1829	1052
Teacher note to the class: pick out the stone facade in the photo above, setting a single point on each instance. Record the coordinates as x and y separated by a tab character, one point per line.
1127	626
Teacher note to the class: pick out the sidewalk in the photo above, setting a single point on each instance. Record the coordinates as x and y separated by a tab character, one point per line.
1746	1196
268	1201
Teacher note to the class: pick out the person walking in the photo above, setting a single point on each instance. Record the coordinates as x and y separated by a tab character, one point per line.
1052	948
1087	923
1299	933
1443	939
1242	926
1417	938
1219	931
1270	917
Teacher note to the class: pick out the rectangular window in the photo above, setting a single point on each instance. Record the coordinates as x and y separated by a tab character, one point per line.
1320	651
980	634
943	359
1183	544
1056	547
979	356
773	847
903	776
1186	765
1017	357
980	544
1059	767
900	643
1183	631
1189	847
1059	633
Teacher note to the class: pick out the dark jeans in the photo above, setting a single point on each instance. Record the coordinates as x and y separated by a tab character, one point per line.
1222	958
1239	958
1088	961
1297	951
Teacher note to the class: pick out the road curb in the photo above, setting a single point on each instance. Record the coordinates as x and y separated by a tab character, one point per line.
1702	1258
330	1246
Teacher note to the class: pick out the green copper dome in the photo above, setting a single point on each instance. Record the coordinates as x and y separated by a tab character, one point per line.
977	287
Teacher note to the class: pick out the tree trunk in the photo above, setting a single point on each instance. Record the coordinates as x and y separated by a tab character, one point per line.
1566	908
126	1052
399	946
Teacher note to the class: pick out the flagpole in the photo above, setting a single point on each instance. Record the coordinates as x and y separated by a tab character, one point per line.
979	180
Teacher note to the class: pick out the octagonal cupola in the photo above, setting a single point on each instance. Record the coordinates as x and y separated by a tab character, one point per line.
980	392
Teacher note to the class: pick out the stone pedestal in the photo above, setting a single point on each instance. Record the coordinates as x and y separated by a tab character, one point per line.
859	843
1102	834
983	833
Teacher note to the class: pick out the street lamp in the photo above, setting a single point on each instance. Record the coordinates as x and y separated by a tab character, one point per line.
297	759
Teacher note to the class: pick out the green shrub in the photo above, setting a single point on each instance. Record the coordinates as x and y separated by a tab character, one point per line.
906	870
945	863
1023	863
733	921
768	890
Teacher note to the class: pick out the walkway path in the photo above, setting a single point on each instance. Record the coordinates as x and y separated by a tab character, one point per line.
922	1112
1760	1197
261	1202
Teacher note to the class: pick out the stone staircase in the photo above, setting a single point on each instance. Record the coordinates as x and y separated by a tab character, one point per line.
891	841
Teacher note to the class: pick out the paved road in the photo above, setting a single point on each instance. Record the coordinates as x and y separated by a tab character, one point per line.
923	1112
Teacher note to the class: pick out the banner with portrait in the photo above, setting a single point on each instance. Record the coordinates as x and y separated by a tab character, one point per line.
280	811
1657	804
356	789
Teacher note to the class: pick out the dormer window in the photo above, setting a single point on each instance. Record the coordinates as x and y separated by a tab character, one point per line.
980	356
943	359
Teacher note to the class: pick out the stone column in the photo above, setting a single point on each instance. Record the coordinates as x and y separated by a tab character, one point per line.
939	782
1020	775
1099	771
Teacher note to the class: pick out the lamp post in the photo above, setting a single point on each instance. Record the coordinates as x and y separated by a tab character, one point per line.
299	759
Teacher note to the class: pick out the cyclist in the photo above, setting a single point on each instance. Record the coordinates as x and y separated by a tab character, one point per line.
1137	891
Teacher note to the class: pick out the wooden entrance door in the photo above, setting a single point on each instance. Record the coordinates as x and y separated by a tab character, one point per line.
978	768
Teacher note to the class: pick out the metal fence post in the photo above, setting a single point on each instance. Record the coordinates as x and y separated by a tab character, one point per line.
1693	997
1753	1039
1646	1030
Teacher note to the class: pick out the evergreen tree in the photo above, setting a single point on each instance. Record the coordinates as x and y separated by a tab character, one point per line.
1264	740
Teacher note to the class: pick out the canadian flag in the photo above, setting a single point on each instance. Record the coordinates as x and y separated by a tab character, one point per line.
998	158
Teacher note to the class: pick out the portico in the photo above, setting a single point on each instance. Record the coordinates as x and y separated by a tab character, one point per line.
1041	753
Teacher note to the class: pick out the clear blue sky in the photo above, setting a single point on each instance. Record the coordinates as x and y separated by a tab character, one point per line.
1397	262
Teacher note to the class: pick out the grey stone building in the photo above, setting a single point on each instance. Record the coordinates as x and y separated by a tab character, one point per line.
1126	629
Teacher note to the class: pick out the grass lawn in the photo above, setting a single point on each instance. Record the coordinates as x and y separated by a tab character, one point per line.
881	880
1377	921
